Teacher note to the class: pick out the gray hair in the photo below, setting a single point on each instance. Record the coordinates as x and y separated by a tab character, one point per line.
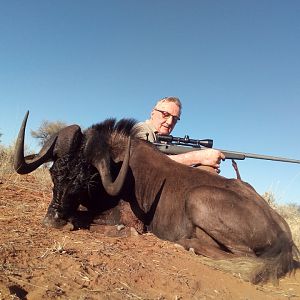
170	99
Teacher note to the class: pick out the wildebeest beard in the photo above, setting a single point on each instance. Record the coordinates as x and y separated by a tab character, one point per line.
79	196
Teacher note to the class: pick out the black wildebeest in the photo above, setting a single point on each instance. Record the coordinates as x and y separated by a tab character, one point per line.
75	181
218	217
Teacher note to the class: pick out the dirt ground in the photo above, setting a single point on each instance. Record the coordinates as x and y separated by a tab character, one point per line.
42	263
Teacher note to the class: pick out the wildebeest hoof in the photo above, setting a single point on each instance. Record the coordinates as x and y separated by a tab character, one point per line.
192	250
54	221
120	227
133	232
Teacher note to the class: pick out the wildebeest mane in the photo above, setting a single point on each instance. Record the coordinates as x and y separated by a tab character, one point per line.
110	128
114	133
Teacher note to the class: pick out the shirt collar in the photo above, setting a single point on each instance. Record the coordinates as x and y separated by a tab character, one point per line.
151	126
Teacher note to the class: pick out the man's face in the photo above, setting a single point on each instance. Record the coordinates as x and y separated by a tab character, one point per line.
164	117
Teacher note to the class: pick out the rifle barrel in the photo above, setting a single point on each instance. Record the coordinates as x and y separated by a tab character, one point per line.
176	149
230	154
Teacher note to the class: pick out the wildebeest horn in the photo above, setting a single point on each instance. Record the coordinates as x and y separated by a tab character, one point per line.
25	165
103	166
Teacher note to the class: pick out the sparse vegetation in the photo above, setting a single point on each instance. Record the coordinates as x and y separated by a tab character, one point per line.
41	175
46	130
6	159
290	212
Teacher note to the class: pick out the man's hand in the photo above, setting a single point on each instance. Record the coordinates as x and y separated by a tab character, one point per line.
206	157
209	157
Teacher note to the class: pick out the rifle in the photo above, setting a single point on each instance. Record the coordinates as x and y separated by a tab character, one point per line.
169	144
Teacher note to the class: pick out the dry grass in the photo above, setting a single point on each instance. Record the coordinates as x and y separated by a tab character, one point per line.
290	212
41	175
6	160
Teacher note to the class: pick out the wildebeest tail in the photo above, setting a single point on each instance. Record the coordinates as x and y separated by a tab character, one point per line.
280	259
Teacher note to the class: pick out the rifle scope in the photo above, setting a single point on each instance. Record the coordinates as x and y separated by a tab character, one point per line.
185	141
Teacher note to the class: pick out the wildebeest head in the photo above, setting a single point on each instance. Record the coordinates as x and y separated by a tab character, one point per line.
66	142
75	180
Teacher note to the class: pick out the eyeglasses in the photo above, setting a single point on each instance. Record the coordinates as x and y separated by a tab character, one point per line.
166	115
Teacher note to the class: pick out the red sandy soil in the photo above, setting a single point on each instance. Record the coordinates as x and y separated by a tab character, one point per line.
42	263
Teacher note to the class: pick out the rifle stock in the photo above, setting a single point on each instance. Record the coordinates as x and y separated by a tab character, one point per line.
179	149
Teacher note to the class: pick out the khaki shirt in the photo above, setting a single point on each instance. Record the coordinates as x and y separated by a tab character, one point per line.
146	131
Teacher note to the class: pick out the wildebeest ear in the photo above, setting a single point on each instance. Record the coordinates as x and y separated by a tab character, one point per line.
68	140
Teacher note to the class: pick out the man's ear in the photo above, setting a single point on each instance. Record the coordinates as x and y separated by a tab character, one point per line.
152	112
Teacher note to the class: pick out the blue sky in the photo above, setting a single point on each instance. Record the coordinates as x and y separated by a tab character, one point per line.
234	64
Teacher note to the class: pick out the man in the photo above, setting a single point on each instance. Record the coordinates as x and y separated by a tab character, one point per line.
163	119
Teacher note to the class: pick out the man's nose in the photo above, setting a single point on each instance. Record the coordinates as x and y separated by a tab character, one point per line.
170	120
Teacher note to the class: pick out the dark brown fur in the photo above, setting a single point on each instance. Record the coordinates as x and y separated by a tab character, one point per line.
218	217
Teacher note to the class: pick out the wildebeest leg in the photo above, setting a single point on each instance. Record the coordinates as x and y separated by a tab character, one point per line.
204	249
121	215
205	245
217	212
